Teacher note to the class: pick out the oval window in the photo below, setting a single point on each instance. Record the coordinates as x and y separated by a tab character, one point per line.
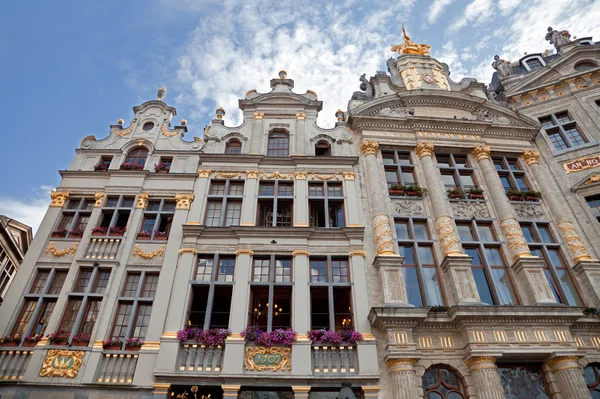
148	126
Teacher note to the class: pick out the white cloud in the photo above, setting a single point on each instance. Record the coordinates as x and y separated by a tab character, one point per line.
30	211
436	9
476	12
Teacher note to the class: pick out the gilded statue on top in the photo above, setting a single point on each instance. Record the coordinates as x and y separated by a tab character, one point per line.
408	47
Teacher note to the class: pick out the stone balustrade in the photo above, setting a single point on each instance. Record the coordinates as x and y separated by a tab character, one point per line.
117	368
13	364
197	357
102	248
334	359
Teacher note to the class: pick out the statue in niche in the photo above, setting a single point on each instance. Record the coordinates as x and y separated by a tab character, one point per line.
558	38
366	92
502	66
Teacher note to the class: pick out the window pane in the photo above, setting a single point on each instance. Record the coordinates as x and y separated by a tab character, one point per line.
402	230
506	295
390	176
233	213
40	282
319	312
90	316
505	182
226	269
42	322
552	285
217	188
482	286
460	161
340	270
467	180
285	190
443	160
464	232
342	307
283	269
568	287
407	252
83	280
573	135
153	206
24	317
334	190
150	286
142	319
426	255
127	203
169	206
57	282
408	177
493	257
528	233
545	234
205	267
282	307
131	284
236	188
101	281
521	184
432	287
213	213
412	286
122	320
404	159
71	311
261	270
557	140
388	158
197	313
268	189
513	164
448	180
475	254
485	232
555	258
318	270
498	163
563	117
219	316
421	232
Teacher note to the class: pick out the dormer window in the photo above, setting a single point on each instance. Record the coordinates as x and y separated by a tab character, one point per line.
323	149
584	66
233	147
279	145
534	64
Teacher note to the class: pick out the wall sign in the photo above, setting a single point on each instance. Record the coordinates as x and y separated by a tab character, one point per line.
263	358
582	164
62	363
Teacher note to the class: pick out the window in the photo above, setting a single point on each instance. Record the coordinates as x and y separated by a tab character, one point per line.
326	204
562	131
456	172
7	272
83	305
543	244
279	143
212	290
135	305
322	148
224	205
275	203
591	374
594	204
330	293
271	292
233	147
39	302
514	378
419	266
104	163
488	265
584	66
115	214
137	156
399	168
75	216
511	174
164	165
148	126
158	218
534	64
442	383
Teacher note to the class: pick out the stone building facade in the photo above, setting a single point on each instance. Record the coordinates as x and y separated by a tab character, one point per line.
417	221
15	238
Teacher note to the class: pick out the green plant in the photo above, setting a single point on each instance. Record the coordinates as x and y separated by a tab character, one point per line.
438	309
475	190
396	186
511	192
415	188
533	193
456	191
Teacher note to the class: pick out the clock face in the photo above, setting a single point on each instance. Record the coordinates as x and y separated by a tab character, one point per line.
427	78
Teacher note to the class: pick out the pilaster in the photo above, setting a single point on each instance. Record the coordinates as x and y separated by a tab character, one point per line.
485	374
161	390
588	273
301	391
230	391
531	279
200	192
248	217
352	206
460	288
360	291
403	376
301	203
392	280
569	377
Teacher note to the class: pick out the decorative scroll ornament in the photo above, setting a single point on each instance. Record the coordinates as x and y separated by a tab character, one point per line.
142	201
383	236
424	148
574	243
62	363
314	93
593	179
369	147
481	152
124	132
59	253
349	175
300	175
408	47
260	358
230	175
276	175
58	198
184	201
480	359
252	174
99	197
531	156
204	173
448	237
192	251
137	251
514	237
166	132
324	177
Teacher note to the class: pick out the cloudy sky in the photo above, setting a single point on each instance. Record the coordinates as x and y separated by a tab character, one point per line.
71	68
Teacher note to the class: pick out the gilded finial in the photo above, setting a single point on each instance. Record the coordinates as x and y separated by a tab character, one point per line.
339	114
282	74
162	92
183	122
120	122
220	113
408	47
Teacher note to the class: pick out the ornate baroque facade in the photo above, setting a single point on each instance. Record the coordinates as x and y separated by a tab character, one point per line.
439	219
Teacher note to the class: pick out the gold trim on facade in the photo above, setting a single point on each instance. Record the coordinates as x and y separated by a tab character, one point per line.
300	252
267	352
168	133
205	173
58	198
137	251
59	253
449	240
150	346
479	359
514	236
99	197
562	359
401	361
252	174
62	363
300	116
314	93
161	388
184	201
369	147
574	243
300	175
142	201
169	334
276	175
481	152
259	115
192	251
315	176
123	132
244	252
228	175
358	253
349	175
531	156
424	148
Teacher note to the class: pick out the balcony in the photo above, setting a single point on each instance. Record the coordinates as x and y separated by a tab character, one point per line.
13	364
102	248
117	368
340	359
198	357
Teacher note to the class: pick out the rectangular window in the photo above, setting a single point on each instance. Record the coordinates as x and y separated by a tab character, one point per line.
399	169
76	216
24	317
511	173
157	220
275	203
594	204
115	215
456	174
562	131
224	206
326	205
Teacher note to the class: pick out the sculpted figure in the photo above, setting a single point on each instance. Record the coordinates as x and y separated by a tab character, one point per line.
502	66
558	38
366	92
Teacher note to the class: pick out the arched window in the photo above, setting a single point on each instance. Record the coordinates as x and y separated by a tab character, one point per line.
137	156
442	383
279	145
233	147
585	65
322	149
592	378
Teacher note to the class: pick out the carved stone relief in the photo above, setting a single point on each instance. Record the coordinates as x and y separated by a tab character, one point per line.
467	209
408	207
529	211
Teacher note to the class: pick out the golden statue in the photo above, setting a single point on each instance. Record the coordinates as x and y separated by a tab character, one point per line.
408	47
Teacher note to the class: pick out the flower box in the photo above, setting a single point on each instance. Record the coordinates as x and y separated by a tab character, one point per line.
58	342
131	166
532	198
113	344
75	235
11	343
59	233
141	236
161	238
515	197
133	348
27	344
112	347
80	343
455	195
475	196
98	233
396	192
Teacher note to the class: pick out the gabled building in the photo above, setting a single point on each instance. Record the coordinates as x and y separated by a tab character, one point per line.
15	238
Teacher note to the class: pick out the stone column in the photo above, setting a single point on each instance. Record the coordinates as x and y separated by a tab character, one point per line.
230	391
302	349
382	230
569	377
442	212
301	204
300	133
301	391
200	191
485	375
533	284
248	217
402	373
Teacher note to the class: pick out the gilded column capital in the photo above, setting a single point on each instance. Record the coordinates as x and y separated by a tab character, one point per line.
192	251
481	152
184	201
58	198
259	115
401	361
300	252
531	156
252	174
204	173
424	148
562	359
142	201
99	197
244	252
300	175
349	175
479	360
369	147
301	116
577	250
358	253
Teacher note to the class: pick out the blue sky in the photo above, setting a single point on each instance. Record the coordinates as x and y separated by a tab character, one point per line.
71	68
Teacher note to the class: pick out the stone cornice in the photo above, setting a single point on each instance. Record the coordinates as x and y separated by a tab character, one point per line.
311	233
262	161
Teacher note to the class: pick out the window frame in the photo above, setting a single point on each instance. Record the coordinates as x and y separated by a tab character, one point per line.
326	198
229	147
398	167
331	285
8	271
275	198
511	174
116	210
158	215
275	148
559	127
225	199
141	154
75	214
453	169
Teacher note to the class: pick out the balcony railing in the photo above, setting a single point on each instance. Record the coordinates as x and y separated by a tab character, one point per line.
334	359
197	357
102	248
117	368
13	364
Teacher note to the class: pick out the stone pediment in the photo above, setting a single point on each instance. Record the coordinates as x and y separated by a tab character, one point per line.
592	179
